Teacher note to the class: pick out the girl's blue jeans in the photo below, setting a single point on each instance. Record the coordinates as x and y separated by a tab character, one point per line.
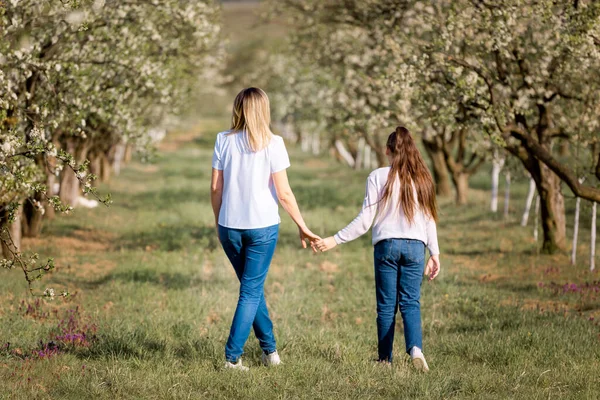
399	265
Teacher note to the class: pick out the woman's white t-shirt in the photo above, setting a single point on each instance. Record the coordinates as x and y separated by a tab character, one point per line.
249	197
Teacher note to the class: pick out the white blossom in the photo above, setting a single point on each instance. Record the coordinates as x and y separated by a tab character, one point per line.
49	293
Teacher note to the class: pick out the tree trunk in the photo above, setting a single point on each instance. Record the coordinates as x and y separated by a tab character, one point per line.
495	184
51	184
551	199
14	231
576	227
497	165
381	157
375	144
460	165
575	231
105	168
593	239
536	222
129	152
461	183
360	153
528	202
374	160
32	218
367	157
344	154
304	143
95	165
440	171
552	206
119	154
507	196
316	144
69	187
50	213
69	184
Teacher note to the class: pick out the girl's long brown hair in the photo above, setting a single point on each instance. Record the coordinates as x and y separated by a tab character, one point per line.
409	167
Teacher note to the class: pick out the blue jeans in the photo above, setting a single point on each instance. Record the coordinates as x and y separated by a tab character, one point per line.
399	265
250	252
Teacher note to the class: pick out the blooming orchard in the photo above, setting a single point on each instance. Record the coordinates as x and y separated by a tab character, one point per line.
78	79
467	76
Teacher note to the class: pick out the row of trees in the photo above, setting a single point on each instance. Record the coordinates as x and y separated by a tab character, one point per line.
473	78
81	84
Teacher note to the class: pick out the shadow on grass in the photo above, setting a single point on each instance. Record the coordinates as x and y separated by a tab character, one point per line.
162	198
168	280
144	347
478	252
65	228
171	238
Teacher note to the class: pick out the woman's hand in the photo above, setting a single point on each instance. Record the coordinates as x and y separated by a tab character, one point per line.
326	244
432	269
307	235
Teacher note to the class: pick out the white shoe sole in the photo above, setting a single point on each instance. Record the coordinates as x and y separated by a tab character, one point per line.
266	363
420	364
236	368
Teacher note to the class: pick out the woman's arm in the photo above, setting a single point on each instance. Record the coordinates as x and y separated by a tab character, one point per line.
216	193
288	202
360	225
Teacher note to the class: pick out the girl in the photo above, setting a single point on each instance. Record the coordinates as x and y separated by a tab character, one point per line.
401	201
248	179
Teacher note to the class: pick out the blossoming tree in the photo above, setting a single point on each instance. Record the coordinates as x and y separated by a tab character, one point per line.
536	80
469	75
78	79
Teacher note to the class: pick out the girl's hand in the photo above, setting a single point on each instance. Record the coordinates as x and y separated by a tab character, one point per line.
307	235
326	244
432	269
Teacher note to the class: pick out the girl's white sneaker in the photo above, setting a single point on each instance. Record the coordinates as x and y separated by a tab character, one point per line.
418	359
238	365
270	360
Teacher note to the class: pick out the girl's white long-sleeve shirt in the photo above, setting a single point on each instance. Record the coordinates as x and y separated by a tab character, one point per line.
391	223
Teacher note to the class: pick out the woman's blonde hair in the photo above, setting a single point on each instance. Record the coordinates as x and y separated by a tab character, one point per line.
252	116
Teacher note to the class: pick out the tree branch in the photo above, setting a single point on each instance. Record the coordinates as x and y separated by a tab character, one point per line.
540	153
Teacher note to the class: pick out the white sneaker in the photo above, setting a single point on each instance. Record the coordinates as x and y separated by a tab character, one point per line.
418	359
270	360
238	365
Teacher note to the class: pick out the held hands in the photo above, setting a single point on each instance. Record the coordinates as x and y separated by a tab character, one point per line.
307	235
432	269
316	243
326	244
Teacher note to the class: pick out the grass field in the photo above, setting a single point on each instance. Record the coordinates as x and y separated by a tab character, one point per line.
153	297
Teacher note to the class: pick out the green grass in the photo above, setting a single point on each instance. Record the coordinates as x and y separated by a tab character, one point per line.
153	286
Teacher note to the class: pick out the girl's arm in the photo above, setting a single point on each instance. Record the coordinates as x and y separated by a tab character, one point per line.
360	225
432	240
432	269
288	202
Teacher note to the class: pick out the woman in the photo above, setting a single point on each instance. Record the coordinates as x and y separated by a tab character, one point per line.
248	179
400	199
